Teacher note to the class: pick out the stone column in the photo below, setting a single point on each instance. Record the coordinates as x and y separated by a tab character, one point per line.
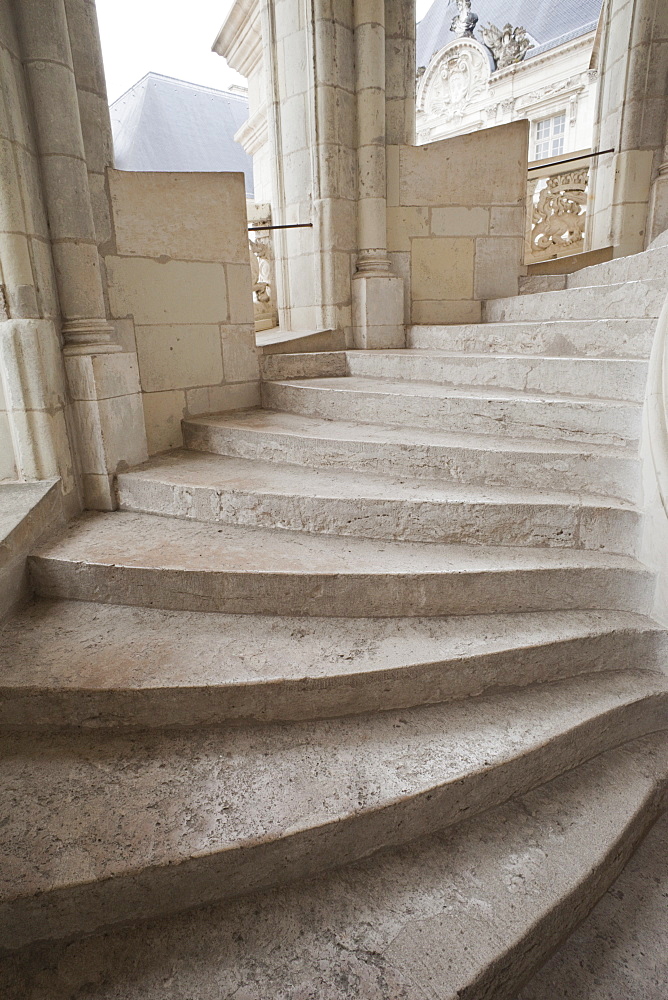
400	79
658	205
631	119
93	106
47	58
104	393
378	294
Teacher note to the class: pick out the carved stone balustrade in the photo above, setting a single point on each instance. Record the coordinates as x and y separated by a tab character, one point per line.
261	253
557	208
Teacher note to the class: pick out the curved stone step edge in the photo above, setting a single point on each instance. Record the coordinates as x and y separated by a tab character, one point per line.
429	406
612	338
560	521
622	379
512	880
348	595
307	694
482	461
81	905
403	920
637	299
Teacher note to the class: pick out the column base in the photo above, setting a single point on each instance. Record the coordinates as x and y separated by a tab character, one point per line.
108	418
88	336
378	311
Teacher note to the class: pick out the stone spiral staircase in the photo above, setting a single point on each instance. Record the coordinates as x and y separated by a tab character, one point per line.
356	695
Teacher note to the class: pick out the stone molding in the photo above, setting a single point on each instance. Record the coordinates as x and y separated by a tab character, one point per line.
239	40
253	134
455	77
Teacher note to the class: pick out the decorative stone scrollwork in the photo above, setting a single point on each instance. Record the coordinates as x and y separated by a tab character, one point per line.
508	45
454	79
262	275
560	214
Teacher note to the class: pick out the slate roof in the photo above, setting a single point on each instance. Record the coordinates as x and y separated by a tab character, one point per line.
547	21
166	124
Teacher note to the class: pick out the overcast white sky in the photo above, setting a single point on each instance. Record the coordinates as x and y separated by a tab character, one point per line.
168	36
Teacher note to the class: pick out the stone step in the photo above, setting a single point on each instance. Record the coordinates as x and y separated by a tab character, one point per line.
429	406
606	338
471	911
623	300
76	663
598	378
239	491
531	283
147	561
320	364
651	264
465	459
152	822
620	949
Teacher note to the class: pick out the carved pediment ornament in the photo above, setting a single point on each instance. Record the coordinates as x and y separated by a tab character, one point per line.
455	77
508	45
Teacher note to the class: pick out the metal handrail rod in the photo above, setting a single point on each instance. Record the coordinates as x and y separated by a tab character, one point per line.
571	159
292	225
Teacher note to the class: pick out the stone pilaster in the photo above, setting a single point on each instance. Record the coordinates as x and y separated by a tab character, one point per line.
377	293
89	348
631	119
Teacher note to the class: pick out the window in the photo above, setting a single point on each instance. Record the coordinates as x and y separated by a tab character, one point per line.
550	136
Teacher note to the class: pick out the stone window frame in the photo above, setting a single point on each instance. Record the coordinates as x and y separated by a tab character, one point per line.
549	116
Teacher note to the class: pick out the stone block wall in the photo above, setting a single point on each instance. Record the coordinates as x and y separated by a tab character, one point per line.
456	218
179	287
34	440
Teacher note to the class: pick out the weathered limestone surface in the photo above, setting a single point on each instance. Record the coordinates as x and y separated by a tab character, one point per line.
373	680
456	220
619	950
179	275
493	893
208	669
289	497
28	513
465	459
477	410
212	825
607	338
184	565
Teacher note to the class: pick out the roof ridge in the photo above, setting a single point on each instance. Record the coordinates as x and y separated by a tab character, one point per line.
175	79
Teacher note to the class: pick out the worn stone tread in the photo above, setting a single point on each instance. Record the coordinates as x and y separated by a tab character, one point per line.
141	559
464	914
483	461
262	494
619	952
480	410
86	664
600	377
432	390
640	297
610	337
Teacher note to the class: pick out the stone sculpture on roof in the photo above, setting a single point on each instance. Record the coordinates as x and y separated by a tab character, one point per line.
508	45
463	24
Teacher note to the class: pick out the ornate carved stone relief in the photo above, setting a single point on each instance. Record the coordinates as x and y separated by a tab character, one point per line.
559	216
454	79
261	255
574	83
508	45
